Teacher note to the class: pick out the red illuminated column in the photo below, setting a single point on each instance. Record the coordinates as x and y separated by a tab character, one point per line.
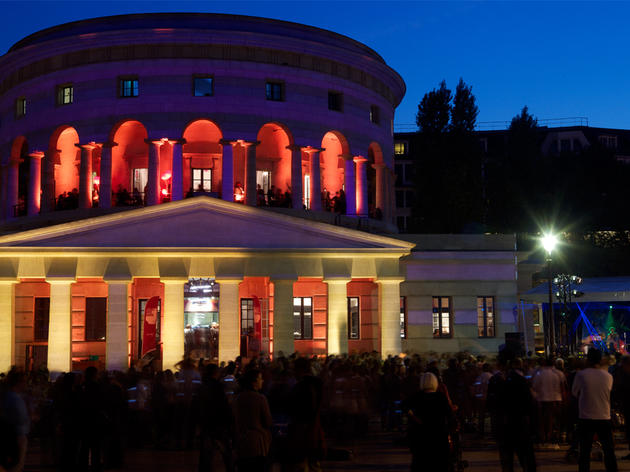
12	187
153	185
297	197
362	187
316	179
349	186
177	180
85	175
227	171
380	186
250	182
105	196
35	182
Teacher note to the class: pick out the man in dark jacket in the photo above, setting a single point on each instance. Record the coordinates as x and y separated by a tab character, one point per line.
621	394
511	406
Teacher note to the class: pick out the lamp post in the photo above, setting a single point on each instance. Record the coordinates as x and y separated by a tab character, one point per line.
549	242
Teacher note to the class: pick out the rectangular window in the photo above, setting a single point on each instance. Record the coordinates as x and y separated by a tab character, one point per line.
375	114
203	86
354	318
65	94
485	317
307	192
302	318
274	91
247	316
442	317
609	142
403	317
335	101
42	319
95	319
128	87
400	198
400	148
202	180
20	107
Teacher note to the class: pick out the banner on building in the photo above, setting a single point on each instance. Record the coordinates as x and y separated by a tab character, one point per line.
149	328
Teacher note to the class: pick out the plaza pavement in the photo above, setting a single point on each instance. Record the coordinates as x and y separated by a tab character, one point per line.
377	451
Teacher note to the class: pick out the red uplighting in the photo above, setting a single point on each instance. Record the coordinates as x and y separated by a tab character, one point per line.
97	180
166	176
164	192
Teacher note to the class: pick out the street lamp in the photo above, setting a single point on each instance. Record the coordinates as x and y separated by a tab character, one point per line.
549	242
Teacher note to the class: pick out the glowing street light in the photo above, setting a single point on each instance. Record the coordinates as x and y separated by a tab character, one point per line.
549	242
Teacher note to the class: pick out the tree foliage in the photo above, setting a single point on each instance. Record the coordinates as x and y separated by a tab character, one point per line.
464	110
434	111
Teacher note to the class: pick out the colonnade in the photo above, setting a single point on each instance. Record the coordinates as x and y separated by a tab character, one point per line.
41	188
118	320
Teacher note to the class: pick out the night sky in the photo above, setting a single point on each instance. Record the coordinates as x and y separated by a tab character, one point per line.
562	59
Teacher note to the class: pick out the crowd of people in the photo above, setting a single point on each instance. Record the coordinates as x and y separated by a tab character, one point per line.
247	414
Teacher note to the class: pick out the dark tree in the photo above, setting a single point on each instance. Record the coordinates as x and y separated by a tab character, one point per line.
464	110
434	111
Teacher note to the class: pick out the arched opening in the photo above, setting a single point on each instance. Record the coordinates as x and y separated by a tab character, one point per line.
66	159
375	159
273	166
334	146
202	158
19	154
130	164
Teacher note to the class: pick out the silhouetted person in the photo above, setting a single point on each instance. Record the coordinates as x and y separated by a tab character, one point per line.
15	423
92	422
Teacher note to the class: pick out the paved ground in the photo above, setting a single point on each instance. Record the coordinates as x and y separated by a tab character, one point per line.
377	451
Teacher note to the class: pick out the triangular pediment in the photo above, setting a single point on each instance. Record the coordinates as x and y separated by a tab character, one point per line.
201	222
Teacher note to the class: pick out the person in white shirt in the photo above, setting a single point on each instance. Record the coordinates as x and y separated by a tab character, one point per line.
592	387
549	384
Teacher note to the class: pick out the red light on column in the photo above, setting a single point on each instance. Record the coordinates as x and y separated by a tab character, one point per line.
166	176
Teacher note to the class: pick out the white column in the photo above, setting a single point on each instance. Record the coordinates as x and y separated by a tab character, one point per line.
297	200
35	183
389	314
105	196
60	327
229	320
337	316
362	186
177	180
349	186
7	322
283	317
250	171
12	187
316	180
227	171
153	186
117	344
85	176
380	187
173	332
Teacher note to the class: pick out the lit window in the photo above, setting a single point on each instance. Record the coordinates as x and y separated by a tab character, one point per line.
335	101
442	317
274	91
400	148
95	319
485	317
65	94
375	114
202	180
20	107
247	316
403	317
354	318
203	86
129	87
302	318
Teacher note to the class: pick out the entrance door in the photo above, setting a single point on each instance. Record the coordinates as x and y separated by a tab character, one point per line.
263	178
139	180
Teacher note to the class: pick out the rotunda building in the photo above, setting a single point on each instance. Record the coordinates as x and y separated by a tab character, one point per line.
191	185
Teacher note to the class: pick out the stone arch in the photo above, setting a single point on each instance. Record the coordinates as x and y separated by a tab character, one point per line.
203	152
62	163
273	161
335	146
375	165
130	162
